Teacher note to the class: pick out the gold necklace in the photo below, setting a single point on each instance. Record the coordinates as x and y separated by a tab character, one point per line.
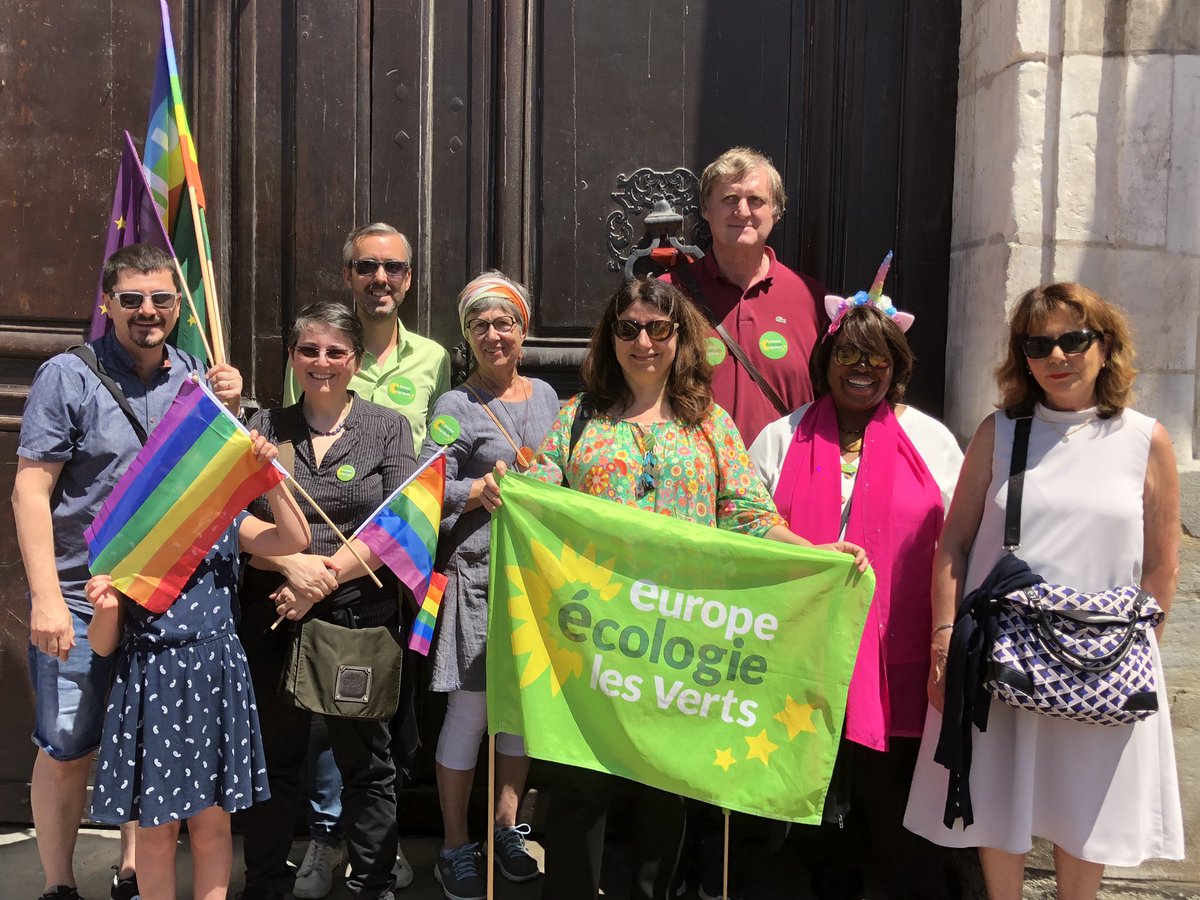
1066	435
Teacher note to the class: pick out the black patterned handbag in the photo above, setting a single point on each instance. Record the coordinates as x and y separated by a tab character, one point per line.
1068	653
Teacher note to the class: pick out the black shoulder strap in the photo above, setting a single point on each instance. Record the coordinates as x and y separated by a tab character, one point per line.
1016	483
88	355
689	282
583	412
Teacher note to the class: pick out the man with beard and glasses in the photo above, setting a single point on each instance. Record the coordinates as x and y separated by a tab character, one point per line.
76	441
401	370
405	372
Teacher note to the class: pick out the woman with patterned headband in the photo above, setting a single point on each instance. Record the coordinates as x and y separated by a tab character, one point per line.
496	414
860	464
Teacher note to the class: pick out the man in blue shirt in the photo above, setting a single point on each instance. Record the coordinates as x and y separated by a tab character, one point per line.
76	441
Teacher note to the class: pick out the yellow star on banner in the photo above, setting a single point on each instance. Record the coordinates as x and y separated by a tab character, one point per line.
104	309
120	223
761	747
192	321
725	758
797	717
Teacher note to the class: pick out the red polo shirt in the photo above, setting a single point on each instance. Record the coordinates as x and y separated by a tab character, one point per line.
777	322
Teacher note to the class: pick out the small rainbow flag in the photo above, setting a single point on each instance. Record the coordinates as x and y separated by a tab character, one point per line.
193	476
403	532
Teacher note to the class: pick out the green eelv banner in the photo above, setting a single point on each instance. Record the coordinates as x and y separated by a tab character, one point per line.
709	664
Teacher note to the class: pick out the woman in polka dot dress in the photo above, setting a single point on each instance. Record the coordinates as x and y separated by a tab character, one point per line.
181	731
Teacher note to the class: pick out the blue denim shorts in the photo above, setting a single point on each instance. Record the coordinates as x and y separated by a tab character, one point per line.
71	697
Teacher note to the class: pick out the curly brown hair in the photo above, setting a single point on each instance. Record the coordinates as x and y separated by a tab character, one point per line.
872	331
1019	390
689	383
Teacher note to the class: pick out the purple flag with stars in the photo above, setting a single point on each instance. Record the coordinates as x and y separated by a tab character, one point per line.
134	220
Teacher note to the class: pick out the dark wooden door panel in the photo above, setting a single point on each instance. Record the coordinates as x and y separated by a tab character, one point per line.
627	85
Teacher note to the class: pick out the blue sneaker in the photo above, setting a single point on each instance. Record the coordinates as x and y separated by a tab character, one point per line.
458	872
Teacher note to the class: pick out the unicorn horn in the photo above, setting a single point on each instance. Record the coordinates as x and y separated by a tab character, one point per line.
877	287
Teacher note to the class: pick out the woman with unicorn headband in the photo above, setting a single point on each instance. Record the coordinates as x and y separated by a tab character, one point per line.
857	464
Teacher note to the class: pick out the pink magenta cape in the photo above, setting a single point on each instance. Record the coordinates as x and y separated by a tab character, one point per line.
896	514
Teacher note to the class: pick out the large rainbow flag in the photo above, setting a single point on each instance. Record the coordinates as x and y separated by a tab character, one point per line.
171	168
403	532
185	486
170	151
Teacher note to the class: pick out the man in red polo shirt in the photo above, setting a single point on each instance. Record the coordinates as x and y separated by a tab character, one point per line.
774	315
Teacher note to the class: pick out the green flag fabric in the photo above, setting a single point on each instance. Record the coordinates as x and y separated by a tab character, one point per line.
190	252
705	663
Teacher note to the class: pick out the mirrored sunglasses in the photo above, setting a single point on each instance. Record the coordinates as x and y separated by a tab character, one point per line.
135	299
393	267
502	324
1040	346
849	356
656	329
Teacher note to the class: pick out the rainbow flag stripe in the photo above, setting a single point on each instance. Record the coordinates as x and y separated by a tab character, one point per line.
170	151
193	476
422	631
403	532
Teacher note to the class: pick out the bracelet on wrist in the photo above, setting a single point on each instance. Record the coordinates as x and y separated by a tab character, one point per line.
942	627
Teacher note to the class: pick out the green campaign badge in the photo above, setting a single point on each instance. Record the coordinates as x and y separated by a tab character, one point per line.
346	472
773	345
401	390
714	350
444	430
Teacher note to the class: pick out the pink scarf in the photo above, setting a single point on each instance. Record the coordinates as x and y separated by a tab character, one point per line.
896	514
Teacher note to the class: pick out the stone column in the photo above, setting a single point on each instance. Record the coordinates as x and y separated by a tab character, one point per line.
1078	159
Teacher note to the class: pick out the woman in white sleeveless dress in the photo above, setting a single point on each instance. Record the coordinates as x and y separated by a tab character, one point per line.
1100	510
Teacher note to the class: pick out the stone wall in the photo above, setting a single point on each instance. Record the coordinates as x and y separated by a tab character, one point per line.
1078	159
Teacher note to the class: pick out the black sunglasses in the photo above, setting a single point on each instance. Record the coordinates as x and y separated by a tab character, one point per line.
849	356
1040	346
393	267
656	329
135	299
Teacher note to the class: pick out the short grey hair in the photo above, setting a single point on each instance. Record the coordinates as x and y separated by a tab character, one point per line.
374	228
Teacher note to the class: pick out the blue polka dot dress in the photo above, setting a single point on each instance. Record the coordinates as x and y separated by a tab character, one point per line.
181	731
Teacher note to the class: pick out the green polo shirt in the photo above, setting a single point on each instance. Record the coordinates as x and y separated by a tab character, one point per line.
414	375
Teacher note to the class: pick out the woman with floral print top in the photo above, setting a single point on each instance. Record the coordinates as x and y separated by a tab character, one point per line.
653	439
709	479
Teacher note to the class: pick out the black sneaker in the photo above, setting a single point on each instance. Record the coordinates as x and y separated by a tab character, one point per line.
61	892
458	873
511	856
124	888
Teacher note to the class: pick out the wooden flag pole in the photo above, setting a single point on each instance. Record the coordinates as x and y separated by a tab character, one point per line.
212	278
491	817
192	306
293	484
210	299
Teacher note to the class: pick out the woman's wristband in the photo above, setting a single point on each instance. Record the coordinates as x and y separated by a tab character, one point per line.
940	628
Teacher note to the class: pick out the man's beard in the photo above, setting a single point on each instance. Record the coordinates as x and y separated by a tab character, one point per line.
148	340
382	306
